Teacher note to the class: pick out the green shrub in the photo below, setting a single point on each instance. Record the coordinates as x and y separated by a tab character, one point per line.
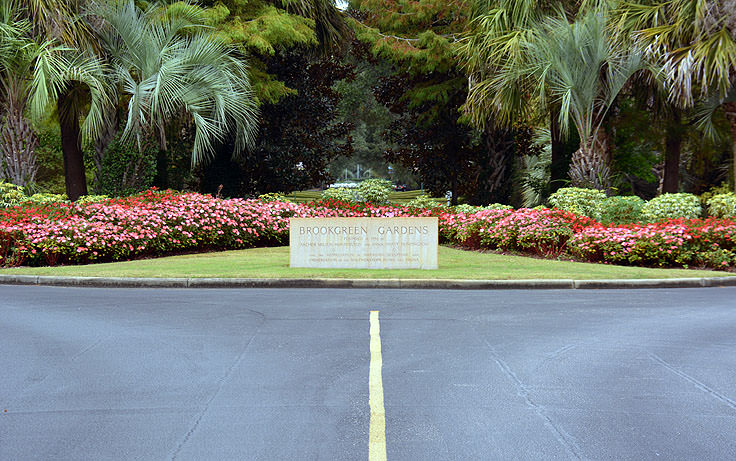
92	199
47	198
621	209
342	194
498	206
470	209
6	187
722	205
669	206
467	209
125	169
723	188
12	197
424	201
273	197
585	202
374	191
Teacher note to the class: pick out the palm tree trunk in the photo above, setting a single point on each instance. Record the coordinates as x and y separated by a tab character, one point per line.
500	150
673	147
589	167
560	164
71	146
18	148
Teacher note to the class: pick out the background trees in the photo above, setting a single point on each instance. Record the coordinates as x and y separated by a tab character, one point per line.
495	100
421	40
298	136
696	39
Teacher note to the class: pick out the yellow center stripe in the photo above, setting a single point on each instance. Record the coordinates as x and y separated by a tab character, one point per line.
377	432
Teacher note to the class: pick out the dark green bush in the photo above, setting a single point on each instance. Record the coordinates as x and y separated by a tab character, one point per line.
621	210
125	169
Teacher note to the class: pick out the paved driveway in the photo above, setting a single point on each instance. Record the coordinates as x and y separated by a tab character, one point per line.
288	374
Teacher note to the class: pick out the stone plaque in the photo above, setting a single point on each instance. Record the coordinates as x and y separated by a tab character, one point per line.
364	243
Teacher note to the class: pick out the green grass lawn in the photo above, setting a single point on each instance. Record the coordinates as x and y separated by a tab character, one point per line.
274	263
399	198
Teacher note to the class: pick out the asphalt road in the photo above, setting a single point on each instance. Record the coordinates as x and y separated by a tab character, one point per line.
283	374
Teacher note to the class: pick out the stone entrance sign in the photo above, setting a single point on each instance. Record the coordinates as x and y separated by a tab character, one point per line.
364	243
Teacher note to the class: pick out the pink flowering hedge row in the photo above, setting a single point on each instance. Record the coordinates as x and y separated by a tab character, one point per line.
158	223
152	224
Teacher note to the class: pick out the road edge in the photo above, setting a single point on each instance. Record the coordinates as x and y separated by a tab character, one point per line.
532	284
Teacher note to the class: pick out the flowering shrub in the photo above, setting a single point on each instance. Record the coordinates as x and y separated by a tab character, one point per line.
722	205
543	232
677	242
157	223
672	206
586	202
154	223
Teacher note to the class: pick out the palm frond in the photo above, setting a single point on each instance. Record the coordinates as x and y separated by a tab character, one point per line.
167	67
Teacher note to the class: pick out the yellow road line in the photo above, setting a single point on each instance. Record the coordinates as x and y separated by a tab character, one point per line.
377	432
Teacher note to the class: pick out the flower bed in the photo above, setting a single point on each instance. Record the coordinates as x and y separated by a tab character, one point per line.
155	223
158	223
678	242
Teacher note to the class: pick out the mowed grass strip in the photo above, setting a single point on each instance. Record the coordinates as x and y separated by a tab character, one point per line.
399	198
274	263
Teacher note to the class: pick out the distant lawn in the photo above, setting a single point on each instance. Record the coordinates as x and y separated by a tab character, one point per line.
274	263
399	198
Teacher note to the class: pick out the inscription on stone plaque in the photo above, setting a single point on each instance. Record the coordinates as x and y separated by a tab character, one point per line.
363	243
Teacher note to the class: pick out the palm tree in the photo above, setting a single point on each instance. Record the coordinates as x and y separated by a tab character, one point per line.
166	65
582	69
35	75
498	39
71	76
76	82
697	41
499	34
17	56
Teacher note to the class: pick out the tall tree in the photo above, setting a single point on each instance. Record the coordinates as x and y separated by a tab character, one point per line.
497	38
165	65
697	41
583	69
73	78
18	54
263	29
